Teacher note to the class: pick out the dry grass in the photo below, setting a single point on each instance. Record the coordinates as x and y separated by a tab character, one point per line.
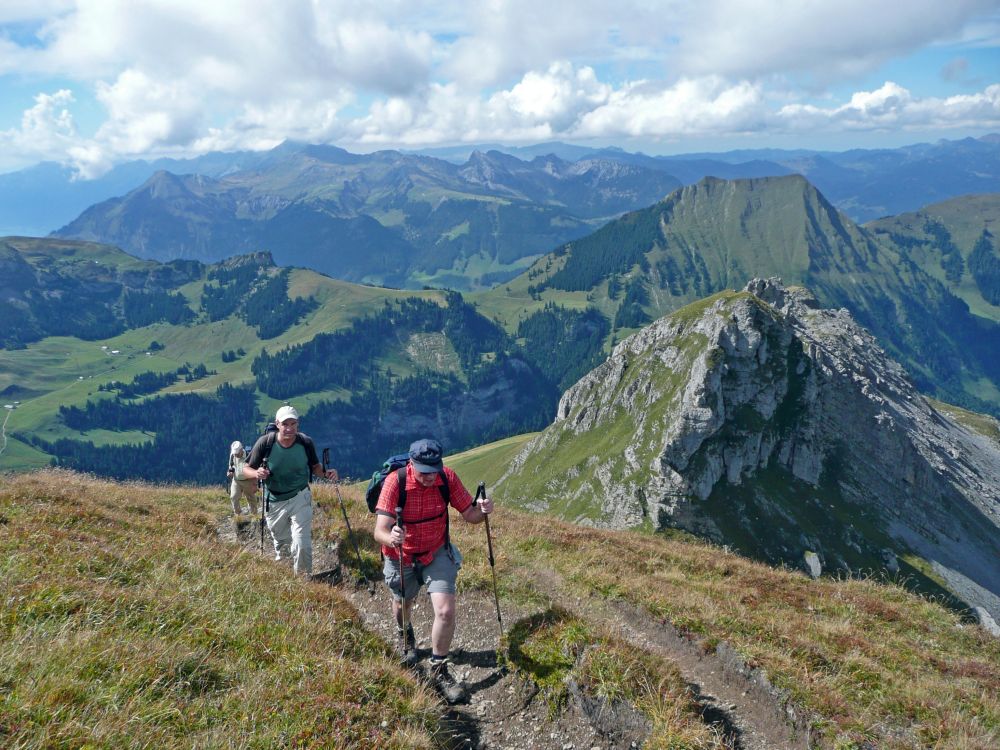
126	624
871	661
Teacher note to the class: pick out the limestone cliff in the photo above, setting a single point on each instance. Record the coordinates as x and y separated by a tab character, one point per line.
760	421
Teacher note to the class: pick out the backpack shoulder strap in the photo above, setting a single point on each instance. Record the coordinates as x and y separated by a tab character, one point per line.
312	458
445	490
269	438
446	496
401	481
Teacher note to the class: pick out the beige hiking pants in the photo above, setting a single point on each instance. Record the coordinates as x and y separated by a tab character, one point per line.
243	488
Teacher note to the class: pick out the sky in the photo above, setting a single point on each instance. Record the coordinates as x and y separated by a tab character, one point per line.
93	83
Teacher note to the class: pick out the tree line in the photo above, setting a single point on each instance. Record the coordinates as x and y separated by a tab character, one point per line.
984	265
180	451
148	382
346	358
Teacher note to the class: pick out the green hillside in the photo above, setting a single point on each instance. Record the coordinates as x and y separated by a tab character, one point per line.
942	239
165	345
717	234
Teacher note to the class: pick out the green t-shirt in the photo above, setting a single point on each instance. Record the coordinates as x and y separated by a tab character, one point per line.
290	470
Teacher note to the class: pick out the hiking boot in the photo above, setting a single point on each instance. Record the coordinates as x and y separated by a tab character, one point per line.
409	647
452	690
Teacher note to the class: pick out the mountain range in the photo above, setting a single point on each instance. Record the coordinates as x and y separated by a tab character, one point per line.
717	235
386	218
865	184
376	358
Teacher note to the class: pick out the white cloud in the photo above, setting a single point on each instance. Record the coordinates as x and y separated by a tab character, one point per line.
504	39
556	98
46	129
179	77
690	107
815	37
257	45
894	107
144	113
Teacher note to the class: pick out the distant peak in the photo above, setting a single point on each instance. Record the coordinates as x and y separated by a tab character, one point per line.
260	258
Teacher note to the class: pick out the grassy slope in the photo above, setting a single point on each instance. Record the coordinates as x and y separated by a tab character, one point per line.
984	424
74	252
722	221
120	603
126	624
63	370
18	456
965	218
487	462
871	661
511	302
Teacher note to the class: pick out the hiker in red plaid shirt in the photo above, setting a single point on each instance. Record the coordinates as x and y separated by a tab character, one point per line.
428	554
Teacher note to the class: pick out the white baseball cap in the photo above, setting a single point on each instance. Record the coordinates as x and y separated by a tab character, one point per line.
286	412
236	447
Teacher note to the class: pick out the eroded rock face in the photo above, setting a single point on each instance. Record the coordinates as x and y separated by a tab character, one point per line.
711	396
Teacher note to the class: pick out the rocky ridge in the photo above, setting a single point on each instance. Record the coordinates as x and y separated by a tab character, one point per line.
760	405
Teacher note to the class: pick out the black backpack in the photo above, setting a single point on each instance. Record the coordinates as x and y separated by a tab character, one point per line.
398	464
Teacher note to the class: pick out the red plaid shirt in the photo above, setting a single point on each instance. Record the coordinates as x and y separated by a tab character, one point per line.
423	514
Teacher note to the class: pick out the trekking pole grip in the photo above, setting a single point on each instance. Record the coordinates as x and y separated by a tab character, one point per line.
481	493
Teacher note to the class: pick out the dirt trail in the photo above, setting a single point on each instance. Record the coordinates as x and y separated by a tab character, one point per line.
3	431
506	712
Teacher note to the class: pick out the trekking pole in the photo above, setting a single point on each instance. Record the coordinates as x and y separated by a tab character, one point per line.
481	493
350	531
402	586
263	505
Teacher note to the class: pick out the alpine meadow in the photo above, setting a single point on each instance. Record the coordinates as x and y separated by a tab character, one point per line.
499	375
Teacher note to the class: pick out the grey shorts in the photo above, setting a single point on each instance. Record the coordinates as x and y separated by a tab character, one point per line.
439	574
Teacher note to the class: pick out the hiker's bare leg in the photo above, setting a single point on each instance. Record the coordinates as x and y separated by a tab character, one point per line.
397	611
443	629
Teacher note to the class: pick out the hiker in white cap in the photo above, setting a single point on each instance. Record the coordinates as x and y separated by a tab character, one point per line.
239	485
285	460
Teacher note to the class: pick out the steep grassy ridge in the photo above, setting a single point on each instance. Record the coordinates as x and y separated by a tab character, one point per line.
717	234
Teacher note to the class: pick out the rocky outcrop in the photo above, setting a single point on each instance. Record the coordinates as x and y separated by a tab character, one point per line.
760	405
